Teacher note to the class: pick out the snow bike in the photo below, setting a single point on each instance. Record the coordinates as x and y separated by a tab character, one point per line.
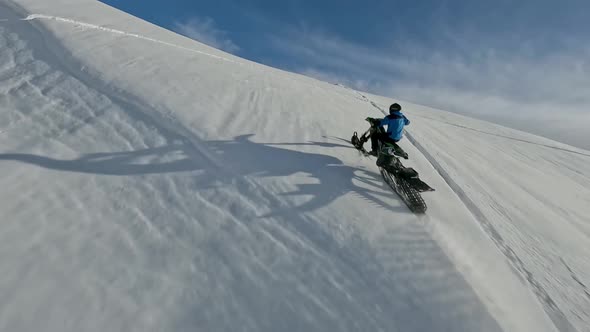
403	180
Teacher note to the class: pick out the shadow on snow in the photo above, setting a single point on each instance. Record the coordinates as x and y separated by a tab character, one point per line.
403	272
224	160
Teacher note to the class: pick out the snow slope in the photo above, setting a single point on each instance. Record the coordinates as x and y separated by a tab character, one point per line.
149	182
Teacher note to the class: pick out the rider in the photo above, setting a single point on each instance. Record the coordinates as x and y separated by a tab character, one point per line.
395	123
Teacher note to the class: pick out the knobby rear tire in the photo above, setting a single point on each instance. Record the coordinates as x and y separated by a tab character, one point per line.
408	194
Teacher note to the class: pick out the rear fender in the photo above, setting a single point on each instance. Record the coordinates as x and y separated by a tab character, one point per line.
407	173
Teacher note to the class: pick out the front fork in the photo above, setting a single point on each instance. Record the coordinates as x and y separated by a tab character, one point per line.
365	137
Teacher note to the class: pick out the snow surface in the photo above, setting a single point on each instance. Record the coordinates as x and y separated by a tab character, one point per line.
151	183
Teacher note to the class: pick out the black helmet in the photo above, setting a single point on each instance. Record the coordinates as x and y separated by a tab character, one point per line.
395	108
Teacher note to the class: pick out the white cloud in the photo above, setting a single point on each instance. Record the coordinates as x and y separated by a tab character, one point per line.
205	31
546	95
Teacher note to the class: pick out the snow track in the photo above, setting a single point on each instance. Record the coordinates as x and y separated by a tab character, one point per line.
561	312
119	32
554	312
557	316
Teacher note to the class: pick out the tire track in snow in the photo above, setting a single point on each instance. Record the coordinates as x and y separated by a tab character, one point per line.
549	305
506	137
553	311
33	17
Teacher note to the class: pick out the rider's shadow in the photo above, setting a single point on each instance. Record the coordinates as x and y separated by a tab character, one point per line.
333	178
157	160
239	157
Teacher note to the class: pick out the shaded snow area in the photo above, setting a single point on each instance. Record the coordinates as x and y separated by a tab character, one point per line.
151	183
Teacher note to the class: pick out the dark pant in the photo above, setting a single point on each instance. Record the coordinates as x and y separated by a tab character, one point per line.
385	139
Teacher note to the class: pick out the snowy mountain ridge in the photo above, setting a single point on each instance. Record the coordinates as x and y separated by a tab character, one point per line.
149	182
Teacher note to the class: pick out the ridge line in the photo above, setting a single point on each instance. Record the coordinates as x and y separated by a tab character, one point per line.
33	17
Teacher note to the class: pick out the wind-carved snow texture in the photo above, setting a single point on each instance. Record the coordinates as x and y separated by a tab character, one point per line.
188	246
576	279
137	195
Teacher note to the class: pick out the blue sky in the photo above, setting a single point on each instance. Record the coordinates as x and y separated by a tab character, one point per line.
525	64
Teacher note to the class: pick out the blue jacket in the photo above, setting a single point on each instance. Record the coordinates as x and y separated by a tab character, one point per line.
395	123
